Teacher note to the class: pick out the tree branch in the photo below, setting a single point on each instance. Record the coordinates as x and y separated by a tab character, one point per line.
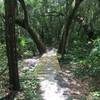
24	23
25	11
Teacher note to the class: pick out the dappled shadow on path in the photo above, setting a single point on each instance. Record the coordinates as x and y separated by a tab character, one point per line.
76	89
56	84
49	87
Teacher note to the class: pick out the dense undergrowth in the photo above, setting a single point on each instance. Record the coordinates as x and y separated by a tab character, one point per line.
91	65
29	84
3	57
85	61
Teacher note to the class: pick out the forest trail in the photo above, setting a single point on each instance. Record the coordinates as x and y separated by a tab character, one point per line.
55	84
48	77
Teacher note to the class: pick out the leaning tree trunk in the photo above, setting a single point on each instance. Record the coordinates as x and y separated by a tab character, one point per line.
68	22
25	24
34	36
10	6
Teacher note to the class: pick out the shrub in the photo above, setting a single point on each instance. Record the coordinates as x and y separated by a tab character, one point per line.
91	65
3	57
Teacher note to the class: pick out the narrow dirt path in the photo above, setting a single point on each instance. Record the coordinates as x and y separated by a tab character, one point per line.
56	84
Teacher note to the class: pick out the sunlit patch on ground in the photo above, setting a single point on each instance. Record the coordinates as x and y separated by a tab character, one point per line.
56	84
49	86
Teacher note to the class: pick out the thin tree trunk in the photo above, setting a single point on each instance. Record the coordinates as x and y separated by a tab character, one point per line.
68	23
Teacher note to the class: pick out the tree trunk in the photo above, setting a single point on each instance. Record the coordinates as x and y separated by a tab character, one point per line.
34	36
68	22
10	6
25	24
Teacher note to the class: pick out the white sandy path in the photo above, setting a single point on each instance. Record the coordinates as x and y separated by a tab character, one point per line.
49	86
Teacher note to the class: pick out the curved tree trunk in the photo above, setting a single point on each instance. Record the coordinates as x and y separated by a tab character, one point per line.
68	22
34	36
25	24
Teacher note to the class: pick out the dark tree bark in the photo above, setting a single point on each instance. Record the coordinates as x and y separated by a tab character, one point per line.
10	7
25	24
68	22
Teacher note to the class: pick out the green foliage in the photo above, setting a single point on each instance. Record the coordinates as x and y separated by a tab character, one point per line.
30	88
91	65
26	47
94	60
3	57
82	69
22	41
95	95
1	7
3	66
29	84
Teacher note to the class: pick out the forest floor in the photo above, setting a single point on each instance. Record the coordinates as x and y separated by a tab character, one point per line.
55	81
77	89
